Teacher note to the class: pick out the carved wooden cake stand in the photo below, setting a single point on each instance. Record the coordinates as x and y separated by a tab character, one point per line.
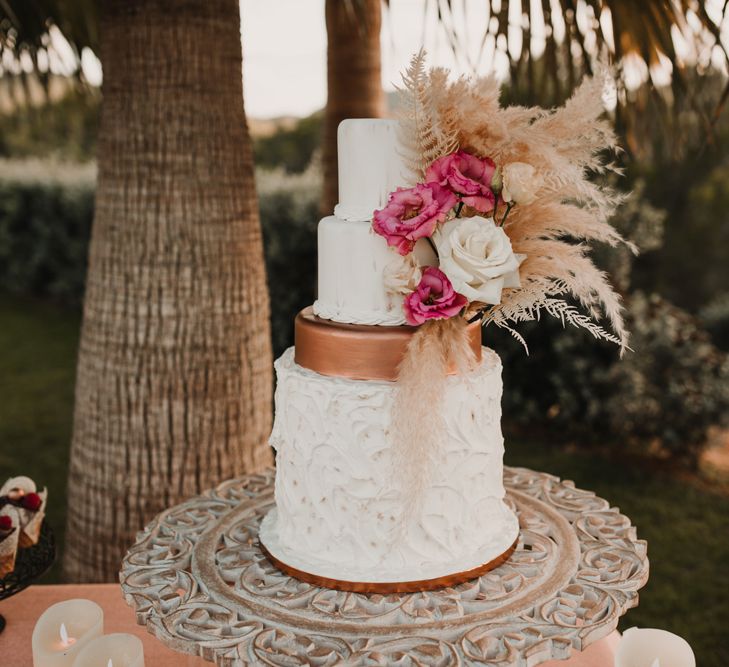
198	579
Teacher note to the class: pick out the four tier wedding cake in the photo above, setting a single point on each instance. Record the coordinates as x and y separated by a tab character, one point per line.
346	513
387	430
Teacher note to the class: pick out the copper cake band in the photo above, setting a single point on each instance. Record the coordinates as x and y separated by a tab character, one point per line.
358	352
387	588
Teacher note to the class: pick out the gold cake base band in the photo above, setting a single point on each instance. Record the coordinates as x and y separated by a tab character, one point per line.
387	588
358	351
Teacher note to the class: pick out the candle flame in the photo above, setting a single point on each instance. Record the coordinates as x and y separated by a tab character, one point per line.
66	641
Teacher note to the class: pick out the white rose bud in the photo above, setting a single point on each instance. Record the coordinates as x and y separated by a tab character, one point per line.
520	183
497	181
476	256
402	275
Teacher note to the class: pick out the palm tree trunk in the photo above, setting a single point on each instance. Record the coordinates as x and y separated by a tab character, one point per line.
353	78
173	389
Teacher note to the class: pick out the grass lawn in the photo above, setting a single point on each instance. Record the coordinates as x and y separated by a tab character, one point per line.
37	368
687	528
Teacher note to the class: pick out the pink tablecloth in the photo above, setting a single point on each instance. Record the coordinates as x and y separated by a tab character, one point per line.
22	611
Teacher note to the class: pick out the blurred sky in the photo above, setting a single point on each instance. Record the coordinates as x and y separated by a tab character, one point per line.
284	49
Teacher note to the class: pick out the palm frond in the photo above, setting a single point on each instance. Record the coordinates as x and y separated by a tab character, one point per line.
578	36
25	27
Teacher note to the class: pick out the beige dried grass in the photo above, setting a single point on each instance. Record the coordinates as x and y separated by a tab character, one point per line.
416	417
567	147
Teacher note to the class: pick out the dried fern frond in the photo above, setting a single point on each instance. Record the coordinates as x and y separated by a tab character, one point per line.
513	333
559	309
425	133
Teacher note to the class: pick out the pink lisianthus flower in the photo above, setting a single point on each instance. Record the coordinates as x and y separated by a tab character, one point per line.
433	299
412	214
468	176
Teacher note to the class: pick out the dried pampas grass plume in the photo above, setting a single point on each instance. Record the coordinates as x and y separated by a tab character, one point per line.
567	147
417	421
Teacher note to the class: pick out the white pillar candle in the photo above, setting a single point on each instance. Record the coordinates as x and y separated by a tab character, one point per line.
63	630
653	648
117	650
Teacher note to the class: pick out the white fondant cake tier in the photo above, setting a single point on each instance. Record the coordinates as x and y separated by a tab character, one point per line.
352	259
341	511
370	166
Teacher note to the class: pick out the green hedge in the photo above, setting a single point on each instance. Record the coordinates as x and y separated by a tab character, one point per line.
289	215
46	210
671	389
45	220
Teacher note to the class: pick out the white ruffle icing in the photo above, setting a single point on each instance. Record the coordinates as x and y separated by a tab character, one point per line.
353	213
353	316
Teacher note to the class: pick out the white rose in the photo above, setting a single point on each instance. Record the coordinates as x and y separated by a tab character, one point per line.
402	275
520	183
476	256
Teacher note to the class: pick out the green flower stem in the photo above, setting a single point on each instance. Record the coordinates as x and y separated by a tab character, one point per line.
509	206
478	316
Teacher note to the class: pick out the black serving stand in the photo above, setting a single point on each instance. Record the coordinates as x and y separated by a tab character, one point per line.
30	564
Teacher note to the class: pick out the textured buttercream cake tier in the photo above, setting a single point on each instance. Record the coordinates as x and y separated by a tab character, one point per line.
341	511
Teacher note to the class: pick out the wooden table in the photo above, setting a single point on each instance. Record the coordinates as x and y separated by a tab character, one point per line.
23	610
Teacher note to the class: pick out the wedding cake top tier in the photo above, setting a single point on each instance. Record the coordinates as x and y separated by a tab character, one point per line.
370	166
352	259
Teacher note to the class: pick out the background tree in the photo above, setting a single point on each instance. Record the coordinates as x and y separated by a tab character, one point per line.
655	46
25	28
173	390
354	81
549	47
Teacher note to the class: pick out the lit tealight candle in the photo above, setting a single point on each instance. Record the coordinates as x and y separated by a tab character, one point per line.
63	630
117	650
653	648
